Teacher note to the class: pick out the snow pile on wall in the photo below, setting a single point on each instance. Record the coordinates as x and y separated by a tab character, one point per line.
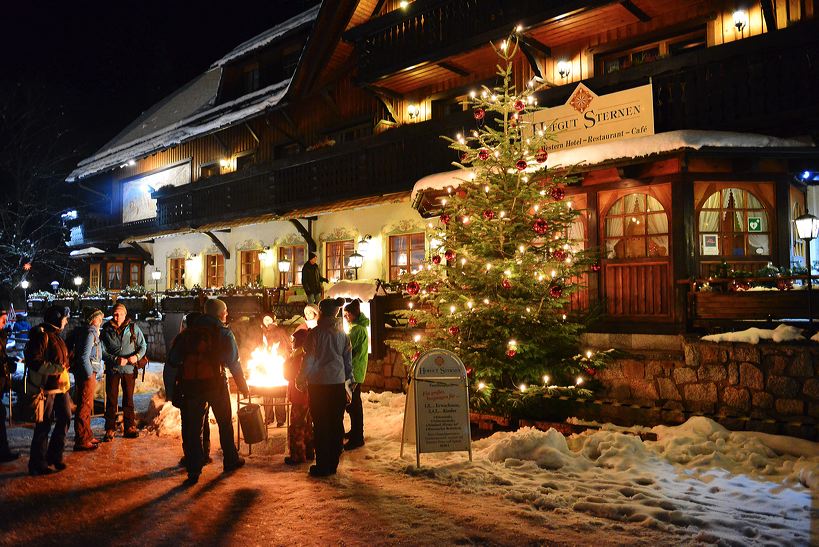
782	333
698	481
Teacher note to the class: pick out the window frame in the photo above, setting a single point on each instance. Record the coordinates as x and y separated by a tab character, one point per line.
219	271
723	236
108	267
94	276
394	269
345	258
292	277
255	265
176	273
645	236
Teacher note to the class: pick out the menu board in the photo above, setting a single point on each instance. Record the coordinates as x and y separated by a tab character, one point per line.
436	416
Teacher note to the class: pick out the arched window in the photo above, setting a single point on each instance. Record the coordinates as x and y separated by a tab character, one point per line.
733	222
636	227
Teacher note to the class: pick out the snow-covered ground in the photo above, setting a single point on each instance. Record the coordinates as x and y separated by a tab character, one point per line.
697	484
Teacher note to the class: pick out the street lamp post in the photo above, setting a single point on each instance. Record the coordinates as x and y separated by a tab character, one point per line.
154	311
156	275
25	285
807	228
77	284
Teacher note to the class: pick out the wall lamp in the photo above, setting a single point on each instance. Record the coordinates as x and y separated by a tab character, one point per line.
413	111
740	19
564	68
364	244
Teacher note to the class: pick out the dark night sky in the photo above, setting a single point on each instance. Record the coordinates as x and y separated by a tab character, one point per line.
102	63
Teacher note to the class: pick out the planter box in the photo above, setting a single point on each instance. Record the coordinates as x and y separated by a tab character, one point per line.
242	304
181	304
134	305
753	304
37	306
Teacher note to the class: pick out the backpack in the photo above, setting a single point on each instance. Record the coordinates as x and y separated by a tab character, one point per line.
200	347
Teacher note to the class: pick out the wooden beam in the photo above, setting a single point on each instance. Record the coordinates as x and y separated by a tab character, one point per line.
635	11
146	256
536	45
769	14
383	95
305	233
377	9
219	244
293	136
252	133
325	94
531	59
454	68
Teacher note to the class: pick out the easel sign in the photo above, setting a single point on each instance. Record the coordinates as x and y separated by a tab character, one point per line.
436	413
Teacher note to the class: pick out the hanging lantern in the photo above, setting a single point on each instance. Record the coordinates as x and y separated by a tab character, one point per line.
540	226
454	330
449	255
413	288
436	259
479	113
558	193
488	214
542	155
520	164
483	154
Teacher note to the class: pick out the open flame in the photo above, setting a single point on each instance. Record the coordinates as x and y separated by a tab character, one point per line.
266	367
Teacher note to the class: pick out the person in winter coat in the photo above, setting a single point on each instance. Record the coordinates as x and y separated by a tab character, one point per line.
6	455
326	369
123	345
86	366
47	361
300	432
360	343
203	349
311	279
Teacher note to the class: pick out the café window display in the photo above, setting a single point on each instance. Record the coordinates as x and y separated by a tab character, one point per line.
636	226
733	222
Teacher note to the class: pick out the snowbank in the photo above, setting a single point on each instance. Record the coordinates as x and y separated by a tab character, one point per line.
782	333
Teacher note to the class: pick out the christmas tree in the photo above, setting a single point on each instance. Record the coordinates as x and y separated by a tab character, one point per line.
496	286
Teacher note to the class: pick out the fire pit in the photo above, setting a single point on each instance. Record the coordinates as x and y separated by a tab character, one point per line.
265	378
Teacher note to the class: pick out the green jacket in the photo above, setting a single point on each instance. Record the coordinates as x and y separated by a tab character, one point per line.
360	341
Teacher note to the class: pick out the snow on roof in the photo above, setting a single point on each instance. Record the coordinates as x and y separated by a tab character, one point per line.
200	123
270	35
638	147
88	251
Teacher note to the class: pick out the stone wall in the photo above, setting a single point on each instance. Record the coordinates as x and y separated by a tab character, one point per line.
152	330
766	387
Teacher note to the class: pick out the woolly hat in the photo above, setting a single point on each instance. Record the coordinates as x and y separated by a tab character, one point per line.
311	255
353	307
54	315
311	312
329	306
89	314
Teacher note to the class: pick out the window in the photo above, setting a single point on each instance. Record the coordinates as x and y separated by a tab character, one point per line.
244	161
649	52
733	222
94	276
798	246
134	277
250	77
338	255
209	170
250	270
176	273
407	254
636	227
113	274
215	271
296	255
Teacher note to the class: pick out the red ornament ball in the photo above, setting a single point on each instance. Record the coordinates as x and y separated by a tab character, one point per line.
520	164
479	113
412	321
445	218
558	193
556	291
559	254
519	105
489	214
540	226
506	284
454	330
449	255
436	259
511	352
461	193
595	267
413	288
483	154
591	371
542	155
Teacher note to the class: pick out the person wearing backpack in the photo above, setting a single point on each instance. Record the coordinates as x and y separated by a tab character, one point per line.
123	346
203	350
86	363
47	379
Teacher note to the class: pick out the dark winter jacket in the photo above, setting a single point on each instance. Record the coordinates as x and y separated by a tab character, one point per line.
327	354
87	352
121	342
47	360
311	278
360	341
5	363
